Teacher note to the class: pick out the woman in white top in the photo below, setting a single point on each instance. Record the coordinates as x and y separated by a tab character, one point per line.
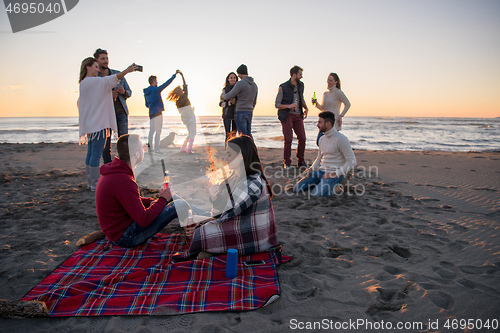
96	113
333	98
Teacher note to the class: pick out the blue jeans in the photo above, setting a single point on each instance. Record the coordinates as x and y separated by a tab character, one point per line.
94	149
243	121
136	235
122	124
321	187
229	125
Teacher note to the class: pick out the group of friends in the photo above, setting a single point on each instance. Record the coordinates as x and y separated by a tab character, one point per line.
242	216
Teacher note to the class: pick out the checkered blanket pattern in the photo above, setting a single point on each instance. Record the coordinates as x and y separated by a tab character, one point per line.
101	279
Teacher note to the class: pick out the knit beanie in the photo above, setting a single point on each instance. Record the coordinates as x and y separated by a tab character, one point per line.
242	70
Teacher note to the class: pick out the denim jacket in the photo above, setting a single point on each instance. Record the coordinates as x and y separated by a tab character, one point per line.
123	83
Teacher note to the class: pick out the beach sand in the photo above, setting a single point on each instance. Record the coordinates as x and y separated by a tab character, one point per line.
414	239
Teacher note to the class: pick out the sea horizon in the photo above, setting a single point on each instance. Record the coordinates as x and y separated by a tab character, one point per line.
364	133
218	115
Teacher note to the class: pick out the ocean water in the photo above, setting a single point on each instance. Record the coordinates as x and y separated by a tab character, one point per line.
365	133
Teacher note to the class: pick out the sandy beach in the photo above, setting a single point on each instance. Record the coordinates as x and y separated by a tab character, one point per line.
414	240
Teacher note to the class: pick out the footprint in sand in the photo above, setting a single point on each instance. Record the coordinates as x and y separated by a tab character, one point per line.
458	227
401	251
456	246
387	294
445	274
484	189
473	285
441	299
393	270
425	199
467	283
186	321
428	286
489	269
338	251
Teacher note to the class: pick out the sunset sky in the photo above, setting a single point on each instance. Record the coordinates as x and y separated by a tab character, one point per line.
426	58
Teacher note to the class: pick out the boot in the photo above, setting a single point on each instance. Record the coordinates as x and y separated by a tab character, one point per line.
87	175
183	149
190	146
94	177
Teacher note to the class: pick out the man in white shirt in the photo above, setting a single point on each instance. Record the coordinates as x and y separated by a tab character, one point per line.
335	158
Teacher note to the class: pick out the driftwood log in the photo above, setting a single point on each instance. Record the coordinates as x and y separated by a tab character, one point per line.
90	238
23	308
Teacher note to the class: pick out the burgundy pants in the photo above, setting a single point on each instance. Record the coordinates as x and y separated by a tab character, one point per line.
294	123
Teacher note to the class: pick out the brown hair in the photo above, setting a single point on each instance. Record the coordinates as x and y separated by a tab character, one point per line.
336	78
227	79
175	94
124	145
98	52
151	79
328	116
295	70
83	68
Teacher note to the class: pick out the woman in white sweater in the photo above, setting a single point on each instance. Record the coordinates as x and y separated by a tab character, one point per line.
96	113
333	98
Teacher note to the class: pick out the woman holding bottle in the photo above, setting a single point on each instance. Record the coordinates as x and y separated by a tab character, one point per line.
333	98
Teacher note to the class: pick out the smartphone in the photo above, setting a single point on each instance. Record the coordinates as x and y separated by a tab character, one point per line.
139	68
254	263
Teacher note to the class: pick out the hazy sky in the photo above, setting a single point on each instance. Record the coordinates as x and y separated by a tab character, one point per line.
435	58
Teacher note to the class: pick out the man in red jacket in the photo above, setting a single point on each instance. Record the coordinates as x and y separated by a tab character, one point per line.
126	218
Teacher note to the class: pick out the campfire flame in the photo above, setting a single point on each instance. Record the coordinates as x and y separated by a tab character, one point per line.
217	172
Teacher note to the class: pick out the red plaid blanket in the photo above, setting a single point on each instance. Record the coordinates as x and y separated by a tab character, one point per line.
101	279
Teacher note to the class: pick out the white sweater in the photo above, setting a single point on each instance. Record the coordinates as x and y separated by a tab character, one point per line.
332	100
334	154
95	105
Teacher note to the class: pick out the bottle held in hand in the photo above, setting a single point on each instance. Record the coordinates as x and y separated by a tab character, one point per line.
189	224
166	179
314	98
166	176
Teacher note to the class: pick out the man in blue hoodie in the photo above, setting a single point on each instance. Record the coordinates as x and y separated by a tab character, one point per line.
152	94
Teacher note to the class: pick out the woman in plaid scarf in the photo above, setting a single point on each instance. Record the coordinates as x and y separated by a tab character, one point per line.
244	198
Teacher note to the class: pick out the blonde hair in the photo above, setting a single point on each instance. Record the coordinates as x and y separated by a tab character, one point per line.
175	94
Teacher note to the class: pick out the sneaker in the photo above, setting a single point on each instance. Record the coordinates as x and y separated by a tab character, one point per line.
287	166
157	152
303	164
